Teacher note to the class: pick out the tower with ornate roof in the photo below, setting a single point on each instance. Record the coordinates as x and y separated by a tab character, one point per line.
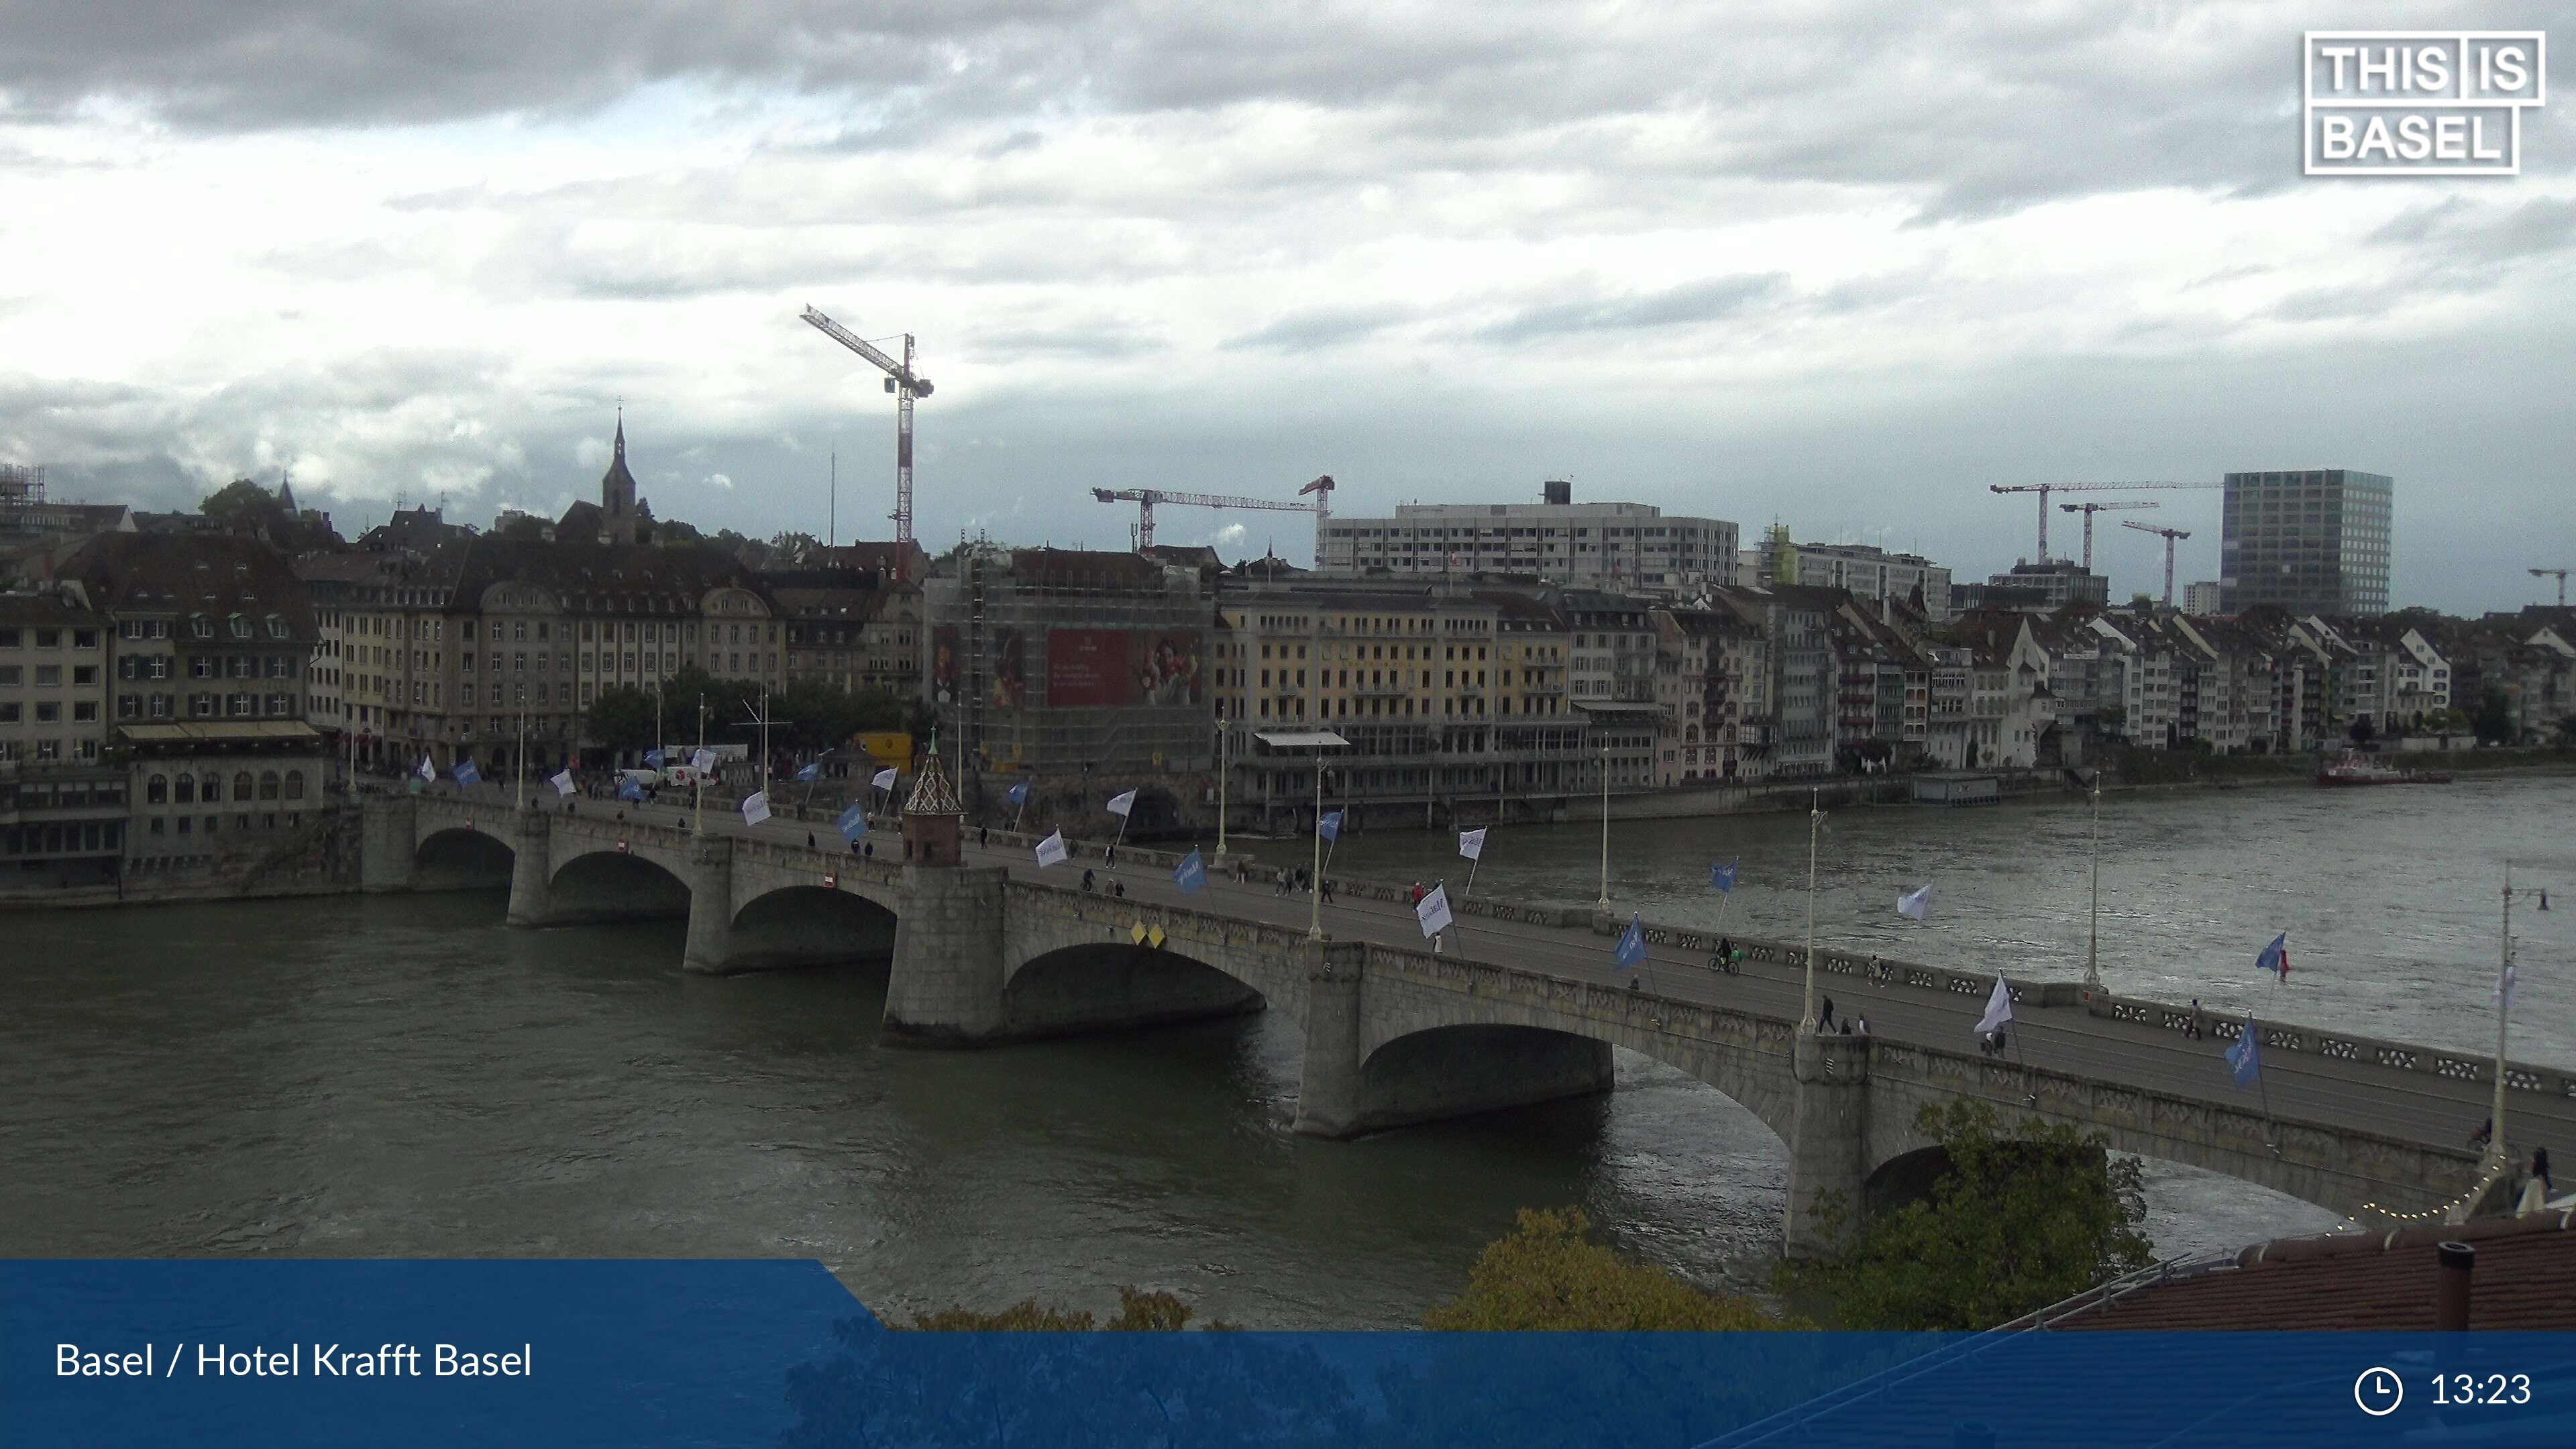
617	491
933	821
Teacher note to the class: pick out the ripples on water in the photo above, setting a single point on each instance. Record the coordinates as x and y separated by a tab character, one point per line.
407	1076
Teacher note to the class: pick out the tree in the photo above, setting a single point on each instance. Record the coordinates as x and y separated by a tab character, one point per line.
2494	719
791	544
2363	730
1547	1276
241	500
2014	1223
622	719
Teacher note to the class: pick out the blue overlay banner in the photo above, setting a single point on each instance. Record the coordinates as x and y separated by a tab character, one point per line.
777	1354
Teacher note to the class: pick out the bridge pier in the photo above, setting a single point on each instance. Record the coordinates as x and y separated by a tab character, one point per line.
1328	1071
531	869
710	904
388	842
945	988
1828	1143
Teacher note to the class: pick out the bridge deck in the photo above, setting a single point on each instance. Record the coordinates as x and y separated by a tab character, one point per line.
2415	1106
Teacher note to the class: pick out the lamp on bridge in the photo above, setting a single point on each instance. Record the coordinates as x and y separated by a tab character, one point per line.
2504	1005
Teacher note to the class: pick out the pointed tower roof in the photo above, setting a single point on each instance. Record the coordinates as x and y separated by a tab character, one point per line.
617	458
931	792
286	493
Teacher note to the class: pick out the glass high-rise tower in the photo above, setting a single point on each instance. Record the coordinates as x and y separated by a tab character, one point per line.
2312	542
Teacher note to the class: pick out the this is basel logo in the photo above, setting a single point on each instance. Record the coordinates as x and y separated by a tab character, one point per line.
2420	102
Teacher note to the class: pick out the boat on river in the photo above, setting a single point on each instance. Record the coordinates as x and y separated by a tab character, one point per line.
2356	768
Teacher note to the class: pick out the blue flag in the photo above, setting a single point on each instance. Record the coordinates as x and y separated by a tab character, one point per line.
813	771
1019	794
2276	957
652	759
1330	827
628	789
1722	876
1191	873
466	774
2242	1056
1632	946
853	823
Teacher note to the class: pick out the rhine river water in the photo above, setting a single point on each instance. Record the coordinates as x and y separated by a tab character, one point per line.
399	1076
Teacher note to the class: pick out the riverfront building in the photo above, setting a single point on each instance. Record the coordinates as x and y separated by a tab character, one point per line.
2313	542
1634	547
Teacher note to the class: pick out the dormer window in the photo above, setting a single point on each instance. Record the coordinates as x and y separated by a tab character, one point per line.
241	626
201	626
276	626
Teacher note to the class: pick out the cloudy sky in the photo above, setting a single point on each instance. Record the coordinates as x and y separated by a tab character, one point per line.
1842	270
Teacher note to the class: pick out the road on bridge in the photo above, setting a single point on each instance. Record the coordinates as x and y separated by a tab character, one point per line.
2412	1106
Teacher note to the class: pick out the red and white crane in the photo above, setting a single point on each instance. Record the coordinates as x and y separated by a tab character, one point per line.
2562	582
2170	534
1146	498
2044	489
906	385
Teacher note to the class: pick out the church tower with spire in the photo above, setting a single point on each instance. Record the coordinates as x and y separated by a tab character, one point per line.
617	491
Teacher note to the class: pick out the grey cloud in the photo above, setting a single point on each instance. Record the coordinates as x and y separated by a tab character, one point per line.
1707	300
1323	327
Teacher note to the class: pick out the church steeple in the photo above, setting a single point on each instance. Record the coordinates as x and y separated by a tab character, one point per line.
617	489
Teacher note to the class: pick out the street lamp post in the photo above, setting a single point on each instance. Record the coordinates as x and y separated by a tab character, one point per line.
519	758
697	776
2504	1005
1221	754
1315	881
1603	905
1815	824
2093	940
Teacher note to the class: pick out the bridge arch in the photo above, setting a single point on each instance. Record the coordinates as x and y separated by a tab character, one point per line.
809	925
605	885
461	859
1453	1070
1116	985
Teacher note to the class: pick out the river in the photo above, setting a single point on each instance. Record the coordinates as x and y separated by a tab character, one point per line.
399	1076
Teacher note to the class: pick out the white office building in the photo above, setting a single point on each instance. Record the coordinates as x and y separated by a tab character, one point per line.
1626	547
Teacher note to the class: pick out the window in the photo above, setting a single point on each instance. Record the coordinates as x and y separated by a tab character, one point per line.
268	784
48	712
295	784
156	790
85	711
276	626
199	626
187	790
241	786
49	674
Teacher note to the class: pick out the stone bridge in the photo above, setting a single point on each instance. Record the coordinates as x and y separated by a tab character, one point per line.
1395	1034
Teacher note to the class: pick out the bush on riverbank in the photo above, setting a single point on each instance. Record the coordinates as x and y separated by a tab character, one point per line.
1547	1276
1156	1312
2020	1218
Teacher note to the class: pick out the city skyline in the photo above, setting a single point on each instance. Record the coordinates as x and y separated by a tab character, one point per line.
1232	253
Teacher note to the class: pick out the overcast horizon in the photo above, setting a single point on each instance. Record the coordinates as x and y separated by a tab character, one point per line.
1843	270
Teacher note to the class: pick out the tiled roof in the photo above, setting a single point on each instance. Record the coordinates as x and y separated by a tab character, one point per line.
217	574
43	610
2525	1279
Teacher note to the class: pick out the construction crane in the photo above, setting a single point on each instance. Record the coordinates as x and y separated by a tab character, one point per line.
2562	581
1322	488
1146	498
2088	510
906	385
2044	489
2170	534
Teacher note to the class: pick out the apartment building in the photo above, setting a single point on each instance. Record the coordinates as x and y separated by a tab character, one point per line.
1630	547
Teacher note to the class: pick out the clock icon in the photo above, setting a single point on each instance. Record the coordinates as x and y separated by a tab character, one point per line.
2378	1391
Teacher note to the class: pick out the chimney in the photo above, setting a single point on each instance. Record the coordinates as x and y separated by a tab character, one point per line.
2451	1291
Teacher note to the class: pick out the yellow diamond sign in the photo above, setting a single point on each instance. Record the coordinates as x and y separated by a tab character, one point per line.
1136	933
1156	937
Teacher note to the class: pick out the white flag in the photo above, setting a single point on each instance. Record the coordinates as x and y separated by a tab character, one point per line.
1119	805
1998	1008
1915	905
1433	913
428	771
562	782
1471	844
2502	992
1051	850
884	779
755	807
704	762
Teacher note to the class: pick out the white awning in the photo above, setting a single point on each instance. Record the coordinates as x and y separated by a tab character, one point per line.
1616	707
1301	739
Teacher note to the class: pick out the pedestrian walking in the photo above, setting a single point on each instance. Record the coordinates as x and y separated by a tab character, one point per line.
809	840
983	836
1086	879
1328	890
1825	1018
1118	888
2191	1028
1109	857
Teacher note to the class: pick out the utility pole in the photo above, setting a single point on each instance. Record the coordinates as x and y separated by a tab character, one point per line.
1603	905
2504	1006
2093	941
697	776
1815	824
1221	742
761	718
519	759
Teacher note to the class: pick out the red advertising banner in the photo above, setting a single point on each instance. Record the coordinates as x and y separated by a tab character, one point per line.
1087	667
